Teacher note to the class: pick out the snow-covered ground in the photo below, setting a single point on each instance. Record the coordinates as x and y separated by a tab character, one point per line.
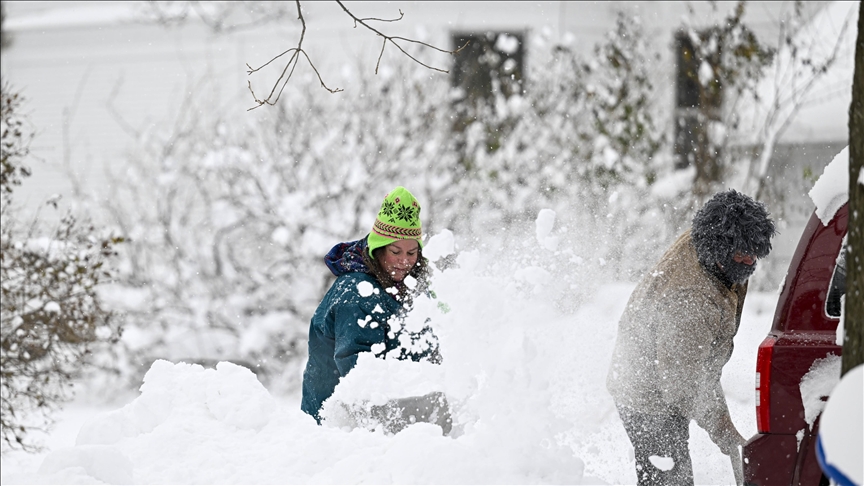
526	352
525	382
524	375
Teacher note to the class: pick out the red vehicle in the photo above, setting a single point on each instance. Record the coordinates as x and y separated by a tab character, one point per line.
783	452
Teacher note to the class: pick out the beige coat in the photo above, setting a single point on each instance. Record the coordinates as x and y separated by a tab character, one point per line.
674	338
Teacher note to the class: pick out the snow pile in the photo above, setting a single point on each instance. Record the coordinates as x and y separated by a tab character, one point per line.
502	357
841	429
831	191
374	381
818	383
196	425
86	463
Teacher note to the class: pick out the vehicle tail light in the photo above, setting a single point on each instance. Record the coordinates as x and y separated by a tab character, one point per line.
763	384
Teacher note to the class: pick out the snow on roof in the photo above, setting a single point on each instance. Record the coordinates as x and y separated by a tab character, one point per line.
823	111
831	191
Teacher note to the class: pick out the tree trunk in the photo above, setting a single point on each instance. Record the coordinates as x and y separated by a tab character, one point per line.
853	344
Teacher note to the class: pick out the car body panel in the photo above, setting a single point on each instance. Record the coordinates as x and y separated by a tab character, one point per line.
801	306
803	332
775	455
793	356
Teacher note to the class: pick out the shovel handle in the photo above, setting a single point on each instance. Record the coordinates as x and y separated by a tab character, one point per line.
737	467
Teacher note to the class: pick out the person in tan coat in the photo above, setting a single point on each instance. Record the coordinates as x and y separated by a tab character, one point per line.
676	334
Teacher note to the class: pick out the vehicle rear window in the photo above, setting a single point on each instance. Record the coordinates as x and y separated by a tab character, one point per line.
838	285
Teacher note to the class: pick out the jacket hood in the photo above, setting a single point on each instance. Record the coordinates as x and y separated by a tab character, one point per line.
347	258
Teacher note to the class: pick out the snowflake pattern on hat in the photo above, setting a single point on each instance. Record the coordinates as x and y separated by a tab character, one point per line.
388	209
407	214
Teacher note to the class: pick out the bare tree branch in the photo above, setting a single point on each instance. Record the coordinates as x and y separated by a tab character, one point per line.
782	109
291	65
401	15
393	39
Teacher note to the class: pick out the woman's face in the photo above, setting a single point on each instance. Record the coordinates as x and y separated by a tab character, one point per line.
399	257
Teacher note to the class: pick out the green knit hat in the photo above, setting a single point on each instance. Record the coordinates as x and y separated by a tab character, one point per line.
398	219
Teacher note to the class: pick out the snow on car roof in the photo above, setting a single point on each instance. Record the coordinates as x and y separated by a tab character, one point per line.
831	191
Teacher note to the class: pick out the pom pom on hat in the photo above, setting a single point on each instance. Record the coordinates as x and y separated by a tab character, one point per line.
398	219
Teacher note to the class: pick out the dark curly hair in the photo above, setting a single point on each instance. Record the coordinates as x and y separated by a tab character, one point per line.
731	221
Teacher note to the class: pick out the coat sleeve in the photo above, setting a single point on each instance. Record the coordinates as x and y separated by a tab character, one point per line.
690	361
358	324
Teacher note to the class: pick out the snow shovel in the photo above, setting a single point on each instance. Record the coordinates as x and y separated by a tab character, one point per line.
402	412
737	467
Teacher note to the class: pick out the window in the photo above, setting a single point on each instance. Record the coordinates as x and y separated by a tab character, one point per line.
490	64
838	285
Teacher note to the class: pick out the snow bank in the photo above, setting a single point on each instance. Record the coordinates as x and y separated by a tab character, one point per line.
831	191
503	362
375	381
196	425
84	464
525	383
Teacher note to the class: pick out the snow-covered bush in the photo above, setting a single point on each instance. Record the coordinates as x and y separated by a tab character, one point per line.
52	317
228	220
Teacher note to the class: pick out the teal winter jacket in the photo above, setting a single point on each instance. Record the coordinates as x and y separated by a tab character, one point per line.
345	325
355	314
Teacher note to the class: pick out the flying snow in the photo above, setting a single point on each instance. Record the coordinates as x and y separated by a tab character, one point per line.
507	44
524	382
365	289
662	463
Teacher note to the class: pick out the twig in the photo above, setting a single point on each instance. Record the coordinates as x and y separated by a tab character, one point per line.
783	111
393	39
382	20
295	52
292	63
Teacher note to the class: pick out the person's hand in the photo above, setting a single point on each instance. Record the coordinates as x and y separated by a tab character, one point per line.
728	439
730	442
